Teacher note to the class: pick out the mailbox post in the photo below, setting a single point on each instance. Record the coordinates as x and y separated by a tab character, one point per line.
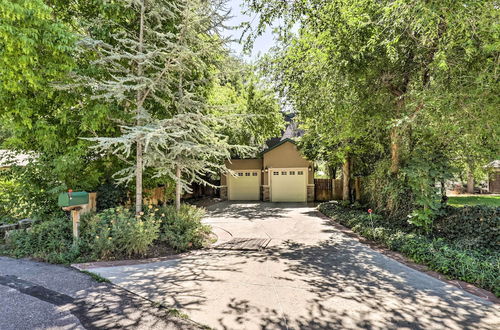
73	202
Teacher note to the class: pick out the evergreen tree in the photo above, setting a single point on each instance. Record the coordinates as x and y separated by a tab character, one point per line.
159	73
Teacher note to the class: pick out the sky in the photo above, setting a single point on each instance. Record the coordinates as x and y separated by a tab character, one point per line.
262	43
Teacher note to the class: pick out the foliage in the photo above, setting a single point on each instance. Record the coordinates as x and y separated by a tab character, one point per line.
49	240
110	195
240	96
37	51
115	233
13	206
486	200
183	229
470	226
477	266
408	89
32	191
111	234
159	71
34	50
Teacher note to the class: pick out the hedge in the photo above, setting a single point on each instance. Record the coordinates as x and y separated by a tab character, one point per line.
471	226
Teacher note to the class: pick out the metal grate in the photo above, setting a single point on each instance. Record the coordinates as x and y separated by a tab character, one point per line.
251	244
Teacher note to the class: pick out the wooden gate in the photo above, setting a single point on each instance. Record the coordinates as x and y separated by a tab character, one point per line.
323	189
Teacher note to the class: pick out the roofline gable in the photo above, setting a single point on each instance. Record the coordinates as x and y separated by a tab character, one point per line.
277	145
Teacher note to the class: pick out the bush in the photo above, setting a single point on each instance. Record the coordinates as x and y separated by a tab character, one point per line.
111	234
183	230
471	226
478	266
119	233
110	196
13	206
50	241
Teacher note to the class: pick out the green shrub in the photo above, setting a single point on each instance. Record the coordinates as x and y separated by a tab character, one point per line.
471	226
13	206
111	234
110	196
478	266
119	232
184	230
49	240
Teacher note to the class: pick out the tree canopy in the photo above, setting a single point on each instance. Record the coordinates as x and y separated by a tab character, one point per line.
407	89
75	71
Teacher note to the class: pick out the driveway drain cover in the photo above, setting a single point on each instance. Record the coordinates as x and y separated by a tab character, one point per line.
244	244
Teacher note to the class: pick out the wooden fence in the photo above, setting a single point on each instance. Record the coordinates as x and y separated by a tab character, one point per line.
331	189
158	195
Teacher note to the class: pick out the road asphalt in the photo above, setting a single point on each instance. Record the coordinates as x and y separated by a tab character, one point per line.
36	295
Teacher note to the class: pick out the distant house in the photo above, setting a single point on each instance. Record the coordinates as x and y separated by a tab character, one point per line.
494	177
280	174
9	158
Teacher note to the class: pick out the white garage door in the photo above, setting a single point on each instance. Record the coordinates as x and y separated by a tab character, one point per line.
289	185
245	186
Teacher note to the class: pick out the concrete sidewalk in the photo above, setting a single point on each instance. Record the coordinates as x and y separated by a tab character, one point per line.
311	276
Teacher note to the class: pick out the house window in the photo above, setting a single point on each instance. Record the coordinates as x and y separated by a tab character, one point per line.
300	172
254	173
240	174
247	174
292	172
283	173
276	173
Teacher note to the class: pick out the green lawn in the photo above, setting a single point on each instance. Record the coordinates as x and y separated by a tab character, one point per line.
474	200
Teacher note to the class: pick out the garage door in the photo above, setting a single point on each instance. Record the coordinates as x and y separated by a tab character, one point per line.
289	185
245	186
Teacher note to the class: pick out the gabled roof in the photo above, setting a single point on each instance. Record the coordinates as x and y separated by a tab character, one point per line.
278	144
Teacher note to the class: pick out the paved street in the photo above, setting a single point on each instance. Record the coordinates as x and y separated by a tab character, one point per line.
42	296
311	276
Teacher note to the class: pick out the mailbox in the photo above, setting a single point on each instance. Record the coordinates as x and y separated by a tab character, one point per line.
73	198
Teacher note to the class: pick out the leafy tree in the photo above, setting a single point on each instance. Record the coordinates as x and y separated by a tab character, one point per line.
417	80
239	94
38	50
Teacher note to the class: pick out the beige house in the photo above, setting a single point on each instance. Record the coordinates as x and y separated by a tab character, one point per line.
282	174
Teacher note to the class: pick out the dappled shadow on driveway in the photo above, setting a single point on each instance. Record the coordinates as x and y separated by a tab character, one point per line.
348	285
331	281
177	283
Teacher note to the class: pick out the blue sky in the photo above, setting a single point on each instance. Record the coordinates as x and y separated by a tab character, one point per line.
262	43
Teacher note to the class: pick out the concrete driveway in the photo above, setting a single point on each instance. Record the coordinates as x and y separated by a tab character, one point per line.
311	276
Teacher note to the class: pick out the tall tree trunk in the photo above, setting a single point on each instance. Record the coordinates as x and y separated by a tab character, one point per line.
395	137
395	145
178	189
346	179
139	151
470	181
138	178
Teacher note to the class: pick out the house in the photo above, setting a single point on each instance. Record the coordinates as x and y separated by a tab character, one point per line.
8	158
280	174
494	177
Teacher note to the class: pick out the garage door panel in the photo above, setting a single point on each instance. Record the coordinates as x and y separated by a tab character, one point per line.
288	185
245	186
